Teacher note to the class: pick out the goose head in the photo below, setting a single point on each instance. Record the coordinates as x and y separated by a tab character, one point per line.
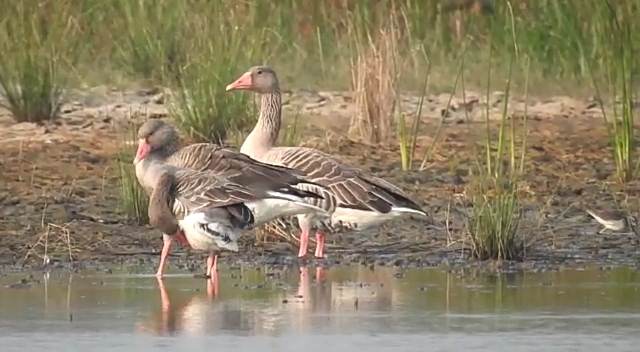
259	79
156	137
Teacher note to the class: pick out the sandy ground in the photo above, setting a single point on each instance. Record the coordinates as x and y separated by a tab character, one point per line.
59	186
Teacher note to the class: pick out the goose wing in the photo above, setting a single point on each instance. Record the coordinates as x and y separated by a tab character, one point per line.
199	189
233	165
351	187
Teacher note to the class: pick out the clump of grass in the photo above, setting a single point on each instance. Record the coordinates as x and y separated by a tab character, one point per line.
201	106
34	41
134	201
152	44
374	81
222	48
495	216
496	212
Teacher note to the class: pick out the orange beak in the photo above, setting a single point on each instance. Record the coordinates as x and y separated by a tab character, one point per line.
244	82
143	150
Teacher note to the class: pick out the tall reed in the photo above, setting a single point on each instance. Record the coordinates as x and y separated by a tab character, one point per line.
408	137
620	62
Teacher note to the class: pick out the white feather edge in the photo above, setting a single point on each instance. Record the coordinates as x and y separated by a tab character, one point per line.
268	209
408	210
367	218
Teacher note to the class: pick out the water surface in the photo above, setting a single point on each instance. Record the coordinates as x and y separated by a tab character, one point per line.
337	309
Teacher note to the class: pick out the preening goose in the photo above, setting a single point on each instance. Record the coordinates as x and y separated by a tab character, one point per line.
226	193
351	199
209	211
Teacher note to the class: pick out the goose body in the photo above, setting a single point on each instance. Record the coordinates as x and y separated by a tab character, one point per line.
208	195
351	199
212	211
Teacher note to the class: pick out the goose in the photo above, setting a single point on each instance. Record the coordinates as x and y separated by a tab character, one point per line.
351	199
207	211
224	193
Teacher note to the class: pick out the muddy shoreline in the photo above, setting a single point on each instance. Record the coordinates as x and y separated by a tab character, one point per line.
59	186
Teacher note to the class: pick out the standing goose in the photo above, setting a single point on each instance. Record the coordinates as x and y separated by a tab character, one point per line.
212	210
225	190
352	199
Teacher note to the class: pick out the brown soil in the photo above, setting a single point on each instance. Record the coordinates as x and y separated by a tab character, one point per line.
59	184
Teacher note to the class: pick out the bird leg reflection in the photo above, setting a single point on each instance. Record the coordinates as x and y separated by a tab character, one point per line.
321	274
164	296
213	285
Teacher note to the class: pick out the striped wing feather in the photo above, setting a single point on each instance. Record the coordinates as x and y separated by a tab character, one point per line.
200	189
235	166
350	186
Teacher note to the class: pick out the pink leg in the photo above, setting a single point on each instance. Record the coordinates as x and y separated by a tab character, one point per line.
304	243
208	265
166	248
214	267
212	264
320	244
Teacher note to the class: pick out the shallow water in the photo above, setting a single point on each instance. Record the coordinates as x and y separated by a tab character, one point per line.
337	309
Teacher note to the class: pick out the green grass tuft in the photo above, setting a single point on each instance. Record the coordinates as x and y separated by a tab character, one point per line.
223	44
134	201
34	41
493	224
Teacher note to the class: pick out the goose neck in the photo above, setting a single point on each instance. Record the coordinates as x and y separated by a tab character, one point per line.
265	134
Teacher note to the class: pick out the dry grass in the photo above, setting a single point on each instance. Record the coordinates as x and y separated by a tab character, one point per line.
54	240
374	80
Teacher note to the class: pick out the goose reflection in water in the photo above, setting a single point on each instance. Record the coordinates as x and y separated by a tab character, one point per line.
181	316
300	300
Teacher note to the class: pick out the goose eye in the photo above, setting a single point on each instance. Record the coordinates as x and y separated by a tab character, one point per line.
259	72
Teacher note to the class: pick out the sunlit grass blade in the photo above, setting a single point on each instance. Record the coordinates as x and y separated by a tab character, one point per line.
133	199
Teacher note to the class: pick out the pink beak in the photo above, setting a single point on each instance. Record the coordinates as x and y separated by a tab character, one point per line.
244	82
143	150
